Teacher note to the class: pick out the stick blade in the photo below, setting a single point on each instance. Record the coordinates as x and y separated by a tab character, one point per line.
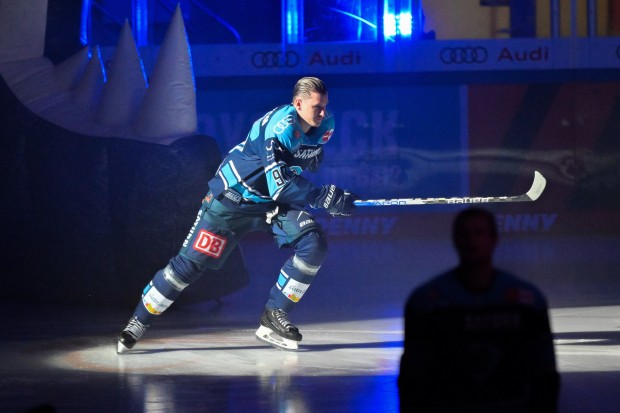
538	186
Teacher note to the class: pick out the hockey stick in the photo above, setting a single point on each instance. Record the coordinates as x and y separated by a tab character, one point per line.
537	188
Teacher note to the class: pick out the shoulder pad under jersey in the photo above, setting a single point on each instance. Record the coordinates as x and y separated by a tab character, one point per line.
326	130
284	126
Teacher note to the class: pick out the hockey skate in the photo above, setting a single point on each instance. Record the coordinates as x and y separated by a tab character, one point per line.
277	330
130	335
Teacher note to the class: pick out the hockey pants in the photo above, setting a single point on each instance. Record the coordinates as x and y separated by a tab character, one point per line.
214	235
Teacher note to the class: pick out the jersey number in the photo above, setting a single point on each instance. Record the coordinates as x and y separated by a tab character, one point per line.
278	178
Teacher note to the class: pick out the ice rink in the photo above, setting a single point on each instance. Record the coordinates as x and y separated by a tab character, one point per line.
205	358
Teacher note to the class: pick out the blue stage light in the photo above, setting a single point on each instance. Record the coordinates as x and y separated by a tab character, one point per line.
101	63
405	24
85	22
140	22
398	19
389	25
292	10
400	25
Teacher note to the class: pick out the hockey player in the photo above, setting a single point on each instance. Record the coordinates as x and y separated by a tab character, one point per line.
477	339
258	186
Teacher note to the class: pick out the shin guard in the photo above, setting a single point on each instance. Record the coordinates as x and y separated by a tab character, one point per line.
298	272
159	295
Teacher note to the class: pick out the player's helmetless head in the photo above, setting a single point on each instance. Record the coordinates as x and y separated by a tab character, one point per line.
310	99
474	233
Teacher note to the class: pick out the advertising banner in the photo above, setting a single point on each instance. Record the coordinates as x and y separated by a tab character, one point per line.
423	56
451	140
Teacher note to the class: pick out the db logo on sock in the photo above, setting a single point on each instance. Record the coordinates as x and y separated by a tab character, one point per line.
209	244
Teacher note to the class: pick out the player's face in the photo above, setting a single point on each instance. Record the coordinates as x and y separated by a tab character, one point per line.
474	240
312	110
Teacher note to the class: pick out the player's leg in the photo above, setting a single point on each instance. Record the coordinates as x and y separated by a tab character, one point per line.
207	246
157	297
299	230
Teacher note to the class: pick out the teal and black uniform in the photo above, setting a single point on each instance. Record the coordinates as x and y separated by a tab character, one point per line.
267	166
258	187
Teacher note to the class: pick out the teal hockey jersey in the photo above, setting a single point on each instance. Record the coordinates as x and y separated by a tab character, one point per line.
268	164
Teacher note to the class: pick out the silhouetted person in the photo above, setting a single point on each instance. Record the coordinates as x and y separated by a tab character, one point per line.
477	339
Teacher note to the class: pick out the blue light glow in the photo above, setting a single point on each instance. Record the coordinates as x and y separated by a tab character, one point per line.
292	27
389	25
140	22
292	34
191	64
85	22
397	25
405	24
398	19
101	64
143	70
374	26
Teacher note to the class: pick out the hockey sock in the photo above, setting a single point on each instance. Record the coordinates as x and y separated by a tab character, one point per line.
294	279
158	295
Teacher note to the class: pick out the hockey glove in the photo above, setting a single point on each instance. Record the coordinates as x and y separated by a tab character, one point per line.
335	200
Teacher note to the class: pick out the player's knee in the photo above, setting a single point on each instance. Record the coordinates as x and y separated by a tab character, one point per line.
173	279
183	271
310	251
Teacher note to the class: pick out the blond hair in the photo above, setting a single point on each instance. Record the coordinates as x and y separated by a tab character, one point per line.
306	85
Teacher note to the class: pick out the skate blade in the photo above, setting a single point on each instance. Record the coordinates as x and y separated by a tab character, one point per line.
268	336
120	348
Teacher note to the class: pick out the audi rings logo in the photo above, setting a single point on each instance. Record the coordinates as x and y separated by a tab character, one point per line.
463	55
262	60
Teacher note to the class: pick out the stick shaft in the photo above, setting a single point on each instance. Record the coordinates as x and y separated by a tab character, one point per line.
538	186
